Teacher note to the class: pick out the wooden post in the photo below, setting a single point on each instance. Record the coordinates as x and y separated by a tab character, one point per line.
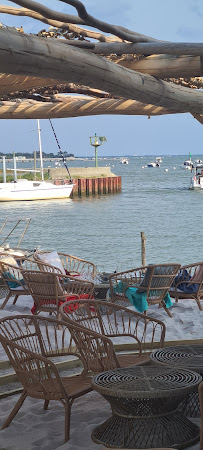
143	250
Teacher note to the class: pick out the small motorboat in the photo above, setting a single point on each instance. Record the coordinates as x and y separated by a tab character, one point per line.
123	161
153	164
188	164
197	177
158	159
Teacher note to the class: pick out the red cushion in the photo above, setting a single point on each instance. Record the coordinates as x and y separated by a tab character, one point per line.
68	298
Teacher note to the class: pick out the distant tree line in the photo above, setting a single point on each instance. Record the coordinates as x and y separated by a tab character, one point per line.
31	155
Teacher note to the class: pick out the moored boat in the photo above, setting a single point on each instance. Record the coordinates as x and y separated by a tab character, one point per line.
188	164
123	161
153	164
25	190
33	190
197	177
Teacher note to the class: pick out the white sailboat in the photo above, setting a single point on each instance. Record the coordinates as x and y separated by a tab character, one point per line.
23	189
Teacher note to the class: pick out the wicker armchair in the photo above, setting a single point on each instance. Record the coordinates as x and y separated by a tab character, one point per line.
49	289
188	284
29	342
150	283
71	264
109	320
11	276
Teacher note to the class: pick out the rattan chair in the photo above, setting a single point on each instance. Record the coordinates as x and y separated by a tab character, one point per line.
200	389
11	275
152	282
189	283
50	289
112	321
30	342
71	264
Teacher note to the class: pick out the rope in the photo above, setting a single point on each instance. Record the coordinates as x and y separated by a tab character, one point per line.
62	155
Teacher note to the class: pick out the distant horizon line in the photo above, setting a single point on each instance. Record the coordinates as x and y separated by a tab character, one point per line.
118	156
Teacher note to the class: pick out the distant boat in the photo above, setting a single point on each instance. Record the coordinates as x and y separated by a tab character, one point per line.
123	161
197	177
158	159
188	164
23	189
153	164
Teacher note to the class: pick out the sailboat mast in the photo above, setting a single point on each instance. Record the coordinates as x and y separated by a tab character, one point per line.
40	150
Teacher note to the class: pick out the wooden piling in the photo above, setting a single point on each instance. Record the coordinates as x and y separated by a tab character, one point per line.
93	186
143	248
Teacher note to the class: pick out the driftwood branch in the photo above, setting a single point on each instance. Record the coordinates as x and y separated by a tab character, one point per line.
106	27
150	48
61	25
90	20
34	56
164	66
47	12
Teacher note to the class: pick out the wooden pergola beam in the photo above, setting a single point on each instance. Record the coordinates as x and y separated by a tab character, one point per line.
37	57
80	106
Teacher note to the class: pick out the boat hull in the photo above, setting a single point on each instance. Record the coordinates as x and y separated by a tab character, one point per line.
33	191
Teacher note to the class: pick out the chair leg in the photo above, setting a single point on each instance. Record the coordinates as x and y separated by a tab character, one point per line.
15	410
5	301
199	304
46	404
67	419
166	309
15	299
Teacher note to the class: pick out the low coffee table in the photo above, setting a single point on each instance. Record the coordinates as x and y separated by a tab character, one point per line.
100	290
185	357
144	401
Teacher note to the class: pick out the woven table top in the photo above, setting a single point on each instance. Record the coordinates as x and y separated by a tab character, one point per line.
183	356
146	382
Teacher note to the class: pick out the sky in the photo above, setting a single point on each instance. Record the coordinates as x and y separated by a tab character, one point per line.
176	21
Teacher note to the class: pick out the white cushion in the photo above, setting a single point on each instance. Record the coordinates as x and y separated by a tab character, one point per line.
52	259
8	260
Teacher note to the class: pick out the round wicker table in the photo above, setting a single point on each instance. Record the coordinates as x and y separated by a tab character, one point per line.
144	402
187	357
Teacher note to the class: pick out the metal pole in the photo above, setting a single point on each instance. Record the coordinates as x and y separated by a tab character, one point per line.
14	168
96	163
35	165
40	150
4	169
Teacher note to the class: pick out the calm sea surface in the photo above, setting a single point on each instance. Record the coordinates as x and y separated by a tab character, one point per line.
106	229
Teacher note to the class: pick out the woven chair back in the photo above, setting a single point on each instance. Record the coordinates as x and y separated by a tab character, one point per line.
154	280
13	272
96	349
45	288
157	280
112	320
71	264
77	286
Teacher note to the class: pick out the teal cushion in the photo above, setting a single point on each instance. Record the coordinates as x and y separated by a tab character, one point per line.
14	283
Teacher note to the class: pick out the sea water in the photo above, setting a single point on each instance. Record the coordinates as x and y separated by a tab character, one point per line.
105	229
